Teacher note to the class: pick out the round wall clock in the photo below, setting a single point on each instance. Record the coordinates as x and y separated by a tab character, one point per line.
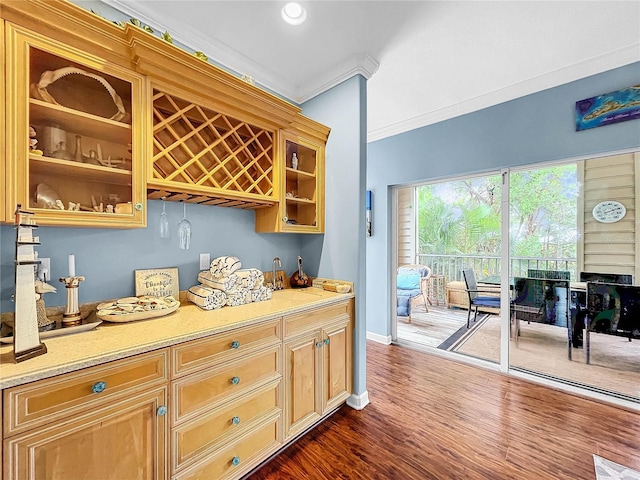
609	211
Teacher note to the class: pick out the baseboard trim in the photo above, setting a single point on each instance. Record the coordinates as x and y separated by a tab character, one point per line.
358	402
376	337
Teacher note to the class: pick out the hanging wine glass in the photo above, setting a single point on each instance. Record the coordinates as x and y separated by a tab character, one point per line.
164	222
184	230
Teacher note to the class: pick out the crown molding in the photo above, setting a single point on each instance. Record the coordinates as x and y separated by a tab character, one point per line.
592	66
359	64
226	57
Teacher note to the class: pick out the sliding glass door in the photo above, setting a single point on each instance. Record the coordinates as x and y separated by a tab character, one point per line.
450	228
568	224
572	312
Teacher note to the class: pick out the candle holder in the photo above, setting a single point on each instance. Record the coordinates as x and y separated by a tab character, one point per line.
72	315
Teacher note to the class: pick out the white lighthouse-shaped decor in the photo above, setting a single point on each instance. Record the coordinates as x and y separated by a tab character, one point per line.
26	338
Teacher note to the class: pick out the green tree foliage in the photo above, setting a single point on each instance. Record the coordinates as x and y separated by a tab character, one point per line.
543	213
463	217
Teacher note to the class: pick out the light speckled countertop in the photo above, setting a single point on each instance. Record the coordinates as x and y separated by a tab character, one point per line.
112	341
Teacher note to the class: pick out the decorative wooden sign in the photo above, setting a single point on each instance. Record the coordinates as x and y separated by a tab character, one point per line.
157	282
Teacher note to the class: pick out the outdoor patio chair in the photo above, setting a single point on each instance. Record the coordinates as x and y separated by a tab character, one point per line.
411	288
487	297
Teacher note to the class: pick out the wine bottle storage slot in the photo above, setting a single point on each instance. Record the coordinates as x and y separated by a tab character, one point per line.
196	146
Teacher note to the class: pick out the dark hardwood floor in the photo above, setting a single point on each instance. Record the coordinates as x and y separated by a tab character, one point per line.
431	418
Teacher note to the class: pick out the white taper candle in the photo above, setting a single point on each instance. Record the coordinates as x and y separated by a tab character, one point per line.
72	265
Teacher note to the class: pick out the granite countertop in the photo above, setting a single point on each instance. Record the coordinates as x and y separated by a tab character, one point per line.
112	341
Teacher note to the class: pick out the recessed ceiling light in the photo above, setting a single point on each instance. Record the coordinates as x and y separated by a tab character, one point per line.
293	13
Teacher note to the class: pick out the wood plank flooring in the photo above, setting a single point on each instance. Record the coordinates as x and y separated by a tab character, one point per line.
431	328
432	418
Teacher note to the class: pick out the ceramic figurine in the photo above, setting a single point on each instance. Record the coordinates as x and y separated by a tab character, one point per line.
33	142
41	309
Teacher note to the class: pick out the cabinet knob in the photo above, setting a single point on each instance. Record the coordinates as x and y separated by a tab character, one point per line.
319	344
99	387
235	380
326	341
285	219
138	206
235	420
162	410
235	344
236	461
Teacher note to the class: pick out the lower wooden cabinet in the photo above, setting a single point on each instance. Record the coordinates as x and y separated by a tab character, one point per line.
337	364
318	366
126	439
303	374
108	422
233	400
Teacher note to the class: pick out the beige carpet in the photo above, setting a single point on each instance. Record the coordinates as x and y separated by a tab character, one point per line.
615	362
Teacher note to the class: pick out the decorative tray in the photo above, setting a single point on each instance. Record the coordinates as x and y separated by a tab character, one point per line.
60	329
130	309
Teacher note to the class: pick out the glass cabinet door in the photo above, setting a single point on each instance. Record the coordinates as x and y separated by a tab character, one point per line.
302	206
75	142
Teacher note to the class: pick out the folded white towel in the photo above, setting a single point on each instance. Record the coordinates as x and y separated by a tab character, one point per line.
261	294
250	278
238	297
226	283
206	297
224	266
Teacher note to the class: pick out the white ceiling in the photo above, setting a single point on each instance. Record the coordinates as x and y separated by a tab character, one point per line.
426	61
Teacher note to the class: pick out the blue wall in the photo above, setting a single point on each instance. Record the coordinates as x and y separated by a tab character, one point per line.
535	128
108	257
340	252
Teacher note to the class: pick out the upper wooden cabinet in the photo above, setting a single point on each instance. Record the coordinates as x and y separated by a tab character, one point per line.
3	188
147	120
86	113
300	188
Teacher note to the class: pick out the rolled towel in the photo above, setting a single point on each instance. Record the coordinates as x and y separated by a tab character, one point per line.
238	297
226	284
261	294
206	297
224	266
250	278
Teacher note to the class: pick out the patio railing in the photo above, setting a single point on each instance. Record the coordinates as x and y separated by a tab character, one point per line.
450	266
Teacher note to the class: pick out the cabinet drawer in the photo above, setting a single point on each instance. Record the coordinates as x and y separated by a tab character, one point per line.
44	401
308	321
197	354
203	434
240	456
201	391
